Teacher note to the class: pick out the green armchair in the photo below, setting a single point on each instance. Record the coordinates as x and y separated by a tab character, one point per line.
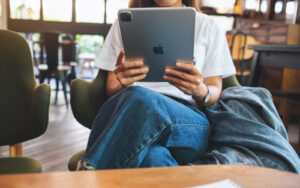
24	105
87	98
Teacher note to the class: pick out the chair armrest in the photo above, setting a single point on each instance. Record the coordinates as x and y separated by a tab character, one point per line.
87	98
230	81
41	104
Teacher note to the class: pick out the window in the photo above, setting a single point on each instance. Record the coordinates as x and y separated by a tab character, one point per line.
290	10
224	6
0	9
0	14
25	9
291	6
112	8
264	6
57	10
257	5
278	7
252	4
89	44
76	16
91	11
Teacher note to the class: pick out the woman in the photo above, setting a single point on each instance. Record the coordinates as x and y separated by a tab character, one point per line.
158	124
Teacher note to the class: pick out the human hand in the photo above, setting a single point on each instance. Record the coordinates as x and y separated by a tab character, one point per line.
130	71
187	78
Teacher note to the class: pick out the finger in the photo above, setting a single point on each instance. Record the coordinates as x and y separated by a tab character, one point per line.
118	69
135	71
185	76
120	57
183	89
128	64
133	63
188	67
180	82
131	80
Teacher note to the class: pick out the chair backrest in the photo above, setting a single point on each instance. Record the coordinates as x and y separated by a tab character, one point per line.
69	50
230	81
17	86
51	46
238	45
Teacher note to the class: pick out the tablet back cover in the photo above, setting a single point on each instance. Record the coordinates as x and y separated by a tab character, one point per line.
159	35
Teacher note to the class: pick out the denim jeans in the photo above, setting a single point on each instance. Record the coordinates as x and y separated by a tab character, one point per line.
246	129
141	128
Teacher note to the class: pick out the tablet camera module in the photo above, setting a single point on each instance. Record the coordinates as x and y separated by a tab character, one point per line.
125	16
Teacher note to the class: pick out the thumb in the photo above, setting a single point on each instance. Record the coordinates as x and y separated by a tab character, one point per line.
120	58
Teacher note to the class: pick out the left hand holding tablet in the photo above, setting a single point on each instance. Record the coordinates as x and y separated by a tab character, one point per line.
187	78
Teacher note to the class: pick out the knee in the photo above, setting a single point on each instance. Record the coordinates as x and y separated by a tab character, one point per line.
156	152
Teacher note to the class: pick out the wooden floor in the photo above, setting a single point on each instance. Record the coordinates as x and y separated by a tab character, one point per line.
65	136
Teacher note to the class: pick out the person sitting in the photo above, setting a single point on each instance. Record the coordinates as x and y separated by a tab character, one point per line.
157	124
185	120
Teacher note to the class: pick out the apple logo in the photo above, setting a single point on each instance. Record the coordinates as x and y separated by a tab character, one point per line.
158	49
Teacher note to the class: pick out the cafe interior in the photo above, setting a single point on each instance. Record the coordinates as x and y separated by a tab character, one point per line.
44	129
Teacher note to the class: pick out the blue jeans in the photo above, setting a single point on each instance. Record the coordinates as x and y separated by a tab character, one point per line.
141	128
246	129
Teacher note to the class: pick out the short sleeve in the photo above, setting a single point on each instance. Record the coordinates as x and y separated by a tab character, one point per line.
218	60
110	51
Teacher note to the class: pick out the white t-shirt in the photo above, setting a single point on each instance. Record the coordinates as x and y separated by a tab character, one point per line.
211	54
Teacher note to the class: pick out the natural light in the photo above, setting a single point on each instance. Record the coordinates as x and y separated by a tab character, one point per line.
53	12
113	7
25	9
90	11
224	6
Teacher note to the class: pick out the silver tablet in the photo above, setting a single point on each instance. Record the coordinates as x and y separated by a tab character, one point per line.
158	35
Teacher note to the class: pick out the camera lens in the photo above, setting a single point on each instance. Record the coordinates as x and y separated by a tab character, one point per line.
125	16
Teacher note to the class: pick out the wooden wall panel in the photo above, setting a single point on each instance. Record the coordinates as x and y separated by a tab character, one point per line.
3	24
291	78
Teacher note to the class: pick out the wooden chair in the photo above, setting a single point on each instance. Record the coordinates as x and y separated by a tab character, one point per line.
68	46
24	105
52	69
88	97
238	44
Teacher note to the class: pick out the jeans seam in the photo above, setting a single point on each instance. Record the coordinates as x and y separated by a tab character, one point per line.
190	124
143	146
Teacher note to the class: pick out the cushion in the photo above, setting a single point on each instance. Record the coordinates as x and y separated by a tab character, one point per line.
72	165
13	165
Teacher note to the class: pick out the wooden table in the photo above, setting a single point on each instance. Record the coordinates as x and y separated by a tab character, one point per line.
87	62
186	176
280	56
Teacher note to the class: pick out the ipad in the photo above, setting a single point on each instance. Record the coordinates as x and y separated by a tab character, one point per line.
158	35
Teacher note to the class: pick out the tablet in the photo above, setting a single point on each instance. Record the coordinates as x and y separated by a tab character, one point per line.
158	35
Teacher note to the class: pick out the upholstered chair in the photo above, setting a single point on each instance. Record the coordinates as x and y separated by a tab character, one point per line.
87	98
24	105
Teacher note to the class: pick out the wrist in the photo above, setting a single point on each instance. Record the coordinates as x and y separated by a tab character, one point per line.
204	97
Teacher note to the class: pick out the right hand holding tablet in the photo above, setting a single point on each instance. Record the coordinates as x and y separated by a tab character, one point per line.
130	71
